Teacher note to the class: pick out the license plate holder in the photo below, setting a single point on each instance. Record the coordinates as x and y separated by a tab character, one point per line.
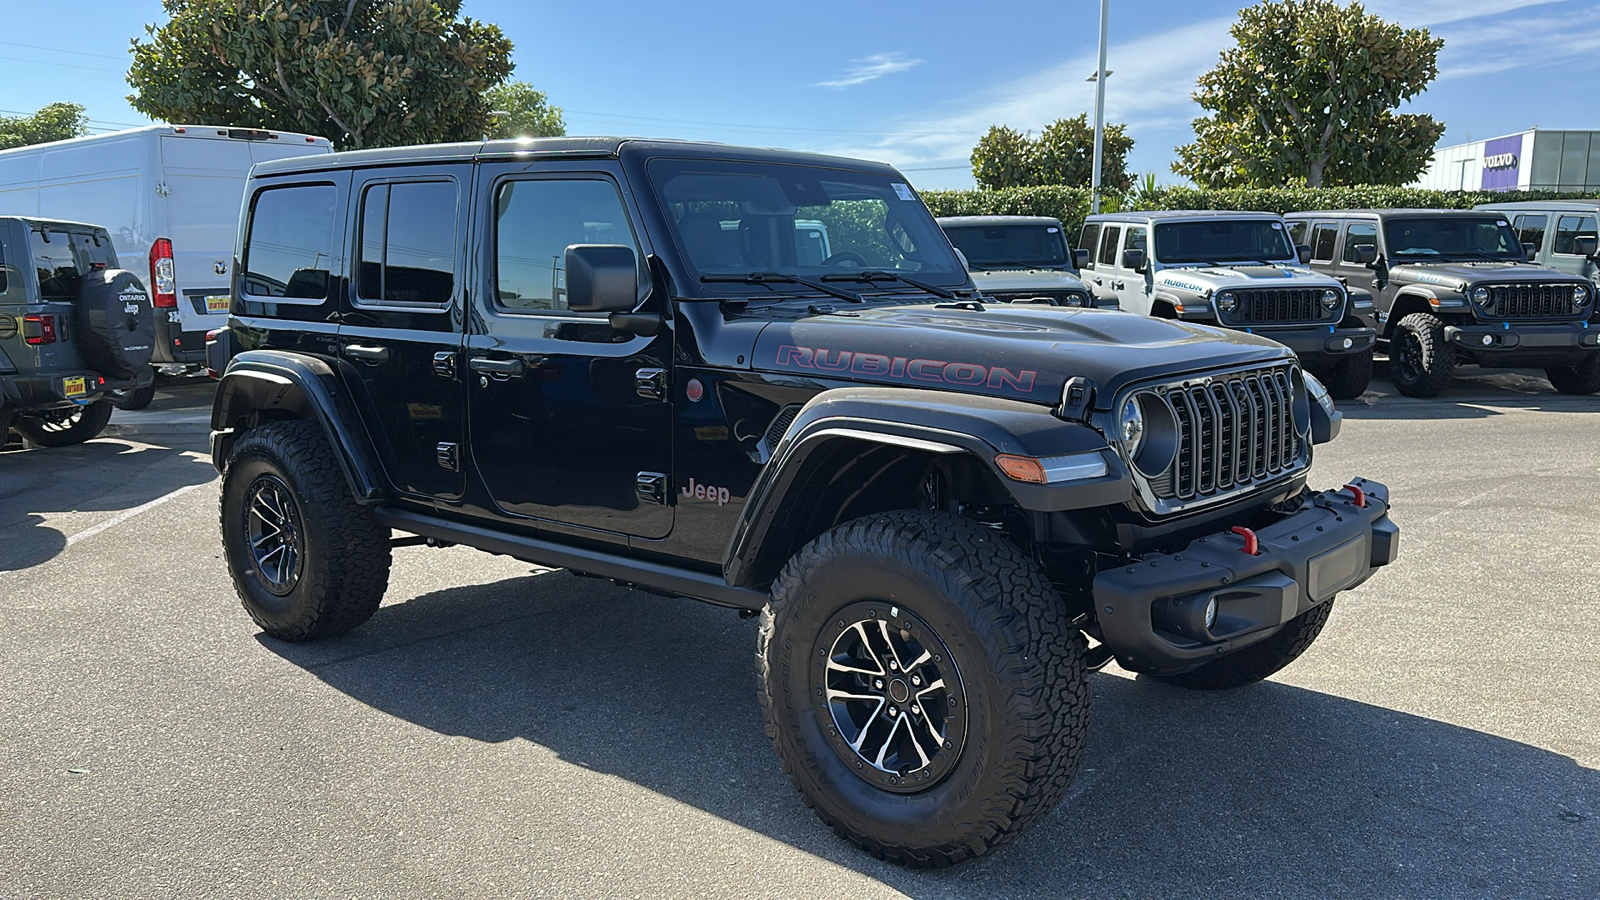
217	303
74	386
1332	571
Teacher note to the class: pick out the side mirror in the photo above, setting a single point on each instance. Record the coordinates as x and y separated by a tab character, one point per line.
1367	254
1529	251
1304	252
1133	258
1583	246
601	278
1080	258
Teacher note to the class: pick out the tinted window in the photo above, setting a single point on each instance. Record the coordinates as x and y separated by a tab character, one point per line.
1297	231
1569	229
290	248
408	234
1138	239
1358	234
60	277
535	223
1530	230
1089	240
1222	240
1452	237
1108	244
1014	246
1323	237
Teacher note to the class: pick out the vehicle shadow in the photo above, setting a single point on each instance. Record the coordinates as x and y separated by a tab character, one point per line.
1473	394
1268	790
104	474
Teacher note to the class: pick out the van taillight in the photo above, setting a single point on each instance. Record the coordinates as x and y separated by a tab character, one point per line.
39	328
163	283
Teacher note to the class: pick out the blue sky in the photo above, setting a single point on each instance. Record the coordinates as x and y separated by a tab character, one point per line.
914	84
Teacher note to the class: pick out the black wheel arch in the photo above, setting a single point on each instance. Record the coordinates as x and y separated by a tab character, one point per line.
1410	300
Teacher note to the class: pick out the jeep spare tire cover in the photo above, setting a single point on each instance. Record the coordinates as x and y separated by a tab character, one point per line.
116	329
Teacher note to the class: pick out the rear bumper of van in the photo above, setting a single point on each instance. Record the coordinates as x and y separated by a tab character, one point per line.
174	346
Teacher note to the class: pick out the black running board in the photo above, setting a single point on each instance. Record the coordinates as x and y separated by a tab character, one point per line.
669	579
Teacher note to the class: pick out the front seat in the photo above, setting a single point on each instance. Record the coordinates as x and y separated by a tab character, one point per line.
701	234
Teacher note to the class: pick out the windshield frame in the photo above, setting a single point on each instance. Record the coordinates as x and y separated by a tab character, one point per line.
1288	257
656	170
1515	254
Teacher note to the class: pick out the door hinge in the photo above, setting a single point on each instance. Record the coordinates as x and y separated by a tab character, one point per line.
652	486
449	456
651	383
444	364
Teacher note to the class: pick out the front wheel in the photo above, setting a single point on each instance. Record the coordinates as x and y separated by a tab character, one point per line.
923	686
307	561
1421	361
134	398
65	427
1583	378
1257	661
1349	378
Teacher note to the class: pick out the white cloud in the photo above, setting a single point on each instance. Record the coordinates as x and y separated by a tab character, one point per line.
872	68
1424	13
1522	43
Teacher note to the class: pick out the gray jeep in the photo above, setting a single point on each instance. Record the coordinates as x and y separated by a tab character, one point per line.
1021	259
1236	270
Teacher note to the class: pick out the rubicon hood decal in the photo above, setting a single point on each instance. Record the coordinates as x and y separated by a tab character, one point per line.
936	371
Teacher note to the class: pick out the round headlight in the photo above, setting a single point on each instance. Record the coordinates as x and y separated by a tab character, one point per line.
1330	298
1580	295
1130	427
1480	295
1227	301
1072	300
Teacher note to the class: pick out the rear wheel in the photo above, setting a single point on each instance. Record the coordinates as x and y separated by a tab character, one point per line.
1421	362
64	427
136	398
1348	380
1583	378
923	686
307	561
1257	661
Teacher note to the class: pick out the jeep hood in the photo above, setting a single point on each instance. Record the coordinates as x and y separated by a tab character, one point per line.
1027	280
1022	353
1214	278
1451	274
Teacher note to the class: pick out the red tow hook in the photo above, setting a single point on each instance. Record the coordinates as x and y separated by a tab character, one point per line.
1361	496
1252	545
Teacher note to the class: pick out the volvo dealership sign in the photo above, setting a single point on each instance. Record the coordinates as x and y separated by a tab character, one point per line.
1500	161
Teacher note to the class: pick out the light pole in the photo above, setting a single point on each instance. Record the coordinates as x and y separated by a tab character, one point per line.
1099	79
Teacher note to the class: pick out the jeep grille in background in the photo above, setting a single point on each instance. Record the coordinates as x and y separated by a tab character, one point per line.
1233	432
1530	301
1056	298
1281	306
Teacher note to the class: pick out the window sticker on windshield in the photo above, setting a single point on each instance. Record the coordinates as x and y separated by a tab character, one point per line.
902	190
1277	226
1052	230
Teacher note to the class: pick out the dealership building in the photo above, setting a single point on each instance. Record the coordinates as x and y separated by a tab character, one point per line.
1535	160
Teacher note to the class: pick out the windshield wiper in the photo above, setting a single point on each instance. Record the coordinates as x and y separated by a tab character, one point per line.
868	276
780	278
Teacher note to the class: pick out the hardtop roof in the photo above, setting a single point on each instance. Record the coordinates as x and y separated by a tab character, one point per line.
1162	215
1385	213
960	221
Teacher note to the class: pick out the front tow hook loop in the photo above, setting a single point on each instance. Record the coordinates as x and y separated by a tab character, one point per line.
1361	496
1252	545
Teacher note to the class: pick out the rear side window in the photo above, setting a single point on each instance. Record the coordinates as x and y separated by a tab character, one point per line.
1108	244
1358	234
289	245
1569	229
60	277
535	223
1089	240
408	236
1322	241
1530	229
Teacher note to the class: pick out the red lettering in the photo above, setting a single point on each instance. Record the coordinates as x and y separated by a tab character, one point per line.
841	360
1022	381
795	356
964	373
927	369
870	364
897	369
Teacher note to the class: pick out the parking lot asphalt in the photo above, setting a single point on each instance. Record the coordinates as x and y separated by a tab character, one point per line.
502	730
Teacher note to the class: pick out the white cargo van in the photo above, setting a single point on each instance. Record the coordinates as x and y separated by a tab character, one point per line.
169	196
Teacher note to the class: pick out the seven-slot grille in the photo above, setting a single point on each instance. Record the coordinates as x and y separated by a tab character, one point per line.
1233	431
1531	301
1277	306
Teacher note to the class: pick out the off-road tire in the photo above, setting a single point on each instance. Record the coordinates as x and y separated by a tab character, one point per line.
1430	372
343	552
1011	644
57	429
1583	378
1257	661
137	398
1349	378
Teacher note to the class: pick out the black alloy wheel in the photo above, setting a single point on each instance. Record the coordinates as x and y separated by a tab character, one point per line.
277	539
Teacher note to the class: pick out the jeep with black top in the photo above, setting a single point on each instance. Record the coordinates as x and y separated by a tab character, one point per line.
74	326
1454	287
1020	259
1235	270
944	511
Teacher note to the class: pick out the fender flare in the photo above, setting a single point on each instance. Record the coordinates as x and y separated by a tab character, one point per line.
296	386
936	422
1431	301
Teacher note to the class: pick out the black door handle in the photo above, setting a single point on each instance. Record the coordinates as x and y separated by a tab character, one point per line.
367	353
499	368
1117	285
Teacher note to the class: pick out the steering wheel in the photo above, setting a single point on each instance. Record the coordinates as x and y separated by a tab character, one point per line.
845	256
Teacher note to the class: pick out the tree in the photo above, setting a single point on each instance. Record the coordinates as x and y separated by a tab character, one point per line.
1309	94
56	122
365	73
1062	154
526	112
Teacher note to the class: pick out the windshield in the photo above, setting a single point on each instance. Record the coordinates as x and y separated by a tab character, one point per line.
736	218
1453	237
1000	246
1240	240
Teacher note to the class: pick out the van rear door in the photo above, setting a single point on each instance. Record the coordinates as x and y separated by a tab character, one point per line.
198	195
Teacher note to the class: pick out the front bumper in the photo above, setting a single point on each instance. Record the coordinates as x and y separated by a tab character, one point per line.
1321	343
1510	344
1152	613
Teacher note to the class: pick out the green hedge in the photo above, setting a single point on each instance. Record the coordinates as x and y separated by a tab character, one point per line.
1071	204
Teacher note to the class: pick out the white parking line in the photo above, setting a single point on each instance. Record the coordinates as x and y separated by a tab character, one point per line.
127	514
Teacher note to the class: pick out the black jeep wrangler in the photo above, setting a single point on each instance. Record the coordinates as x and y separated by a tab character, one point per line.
74	327
1454	287
552	350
